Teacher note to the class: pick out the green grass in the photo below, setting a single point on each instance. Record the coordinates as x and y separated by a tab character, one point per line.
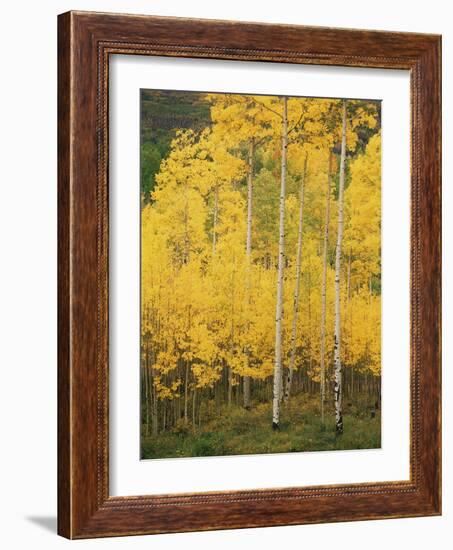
235	431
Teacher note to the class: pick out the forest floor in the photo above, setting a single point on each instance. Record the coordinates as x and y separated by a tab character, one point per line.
236	431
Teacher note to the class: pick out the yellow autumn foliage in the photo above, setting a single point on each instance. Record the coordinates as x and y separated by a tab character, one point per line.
206	310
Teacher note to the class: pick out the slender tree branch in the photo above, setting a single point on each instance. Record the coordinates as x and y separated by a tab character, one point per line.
268	108
300	136
297	123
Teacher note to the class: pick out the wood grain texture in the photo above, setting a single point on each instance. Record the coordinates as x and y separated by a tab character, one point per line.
86	40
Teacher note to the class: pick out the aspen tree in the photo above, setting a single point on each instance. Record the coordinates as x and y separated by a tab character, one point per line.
292	358
337	345
233	231
324	289
246	379
280	275
214	219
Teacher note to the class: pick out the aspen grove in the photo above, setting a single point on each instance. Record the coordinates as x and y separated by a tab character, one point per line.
260	270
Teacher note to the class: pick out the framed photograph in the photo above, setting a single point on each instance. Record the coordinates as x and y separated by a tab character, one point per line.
249	275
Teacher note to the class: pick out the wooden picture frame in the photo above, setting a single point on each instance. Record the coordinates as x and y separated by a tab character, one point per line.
85	42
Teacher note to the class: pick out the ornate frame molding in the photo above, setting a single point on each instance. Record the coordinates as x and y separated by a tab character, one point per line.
86	40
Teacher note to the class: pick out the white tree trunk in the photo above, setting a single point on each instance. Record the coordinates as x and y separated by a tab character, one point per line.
292	358
233	292
155	427
348	317
337	346
323	291
281	268
147	393
249	201
246	387
186	226
214	219
186	394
